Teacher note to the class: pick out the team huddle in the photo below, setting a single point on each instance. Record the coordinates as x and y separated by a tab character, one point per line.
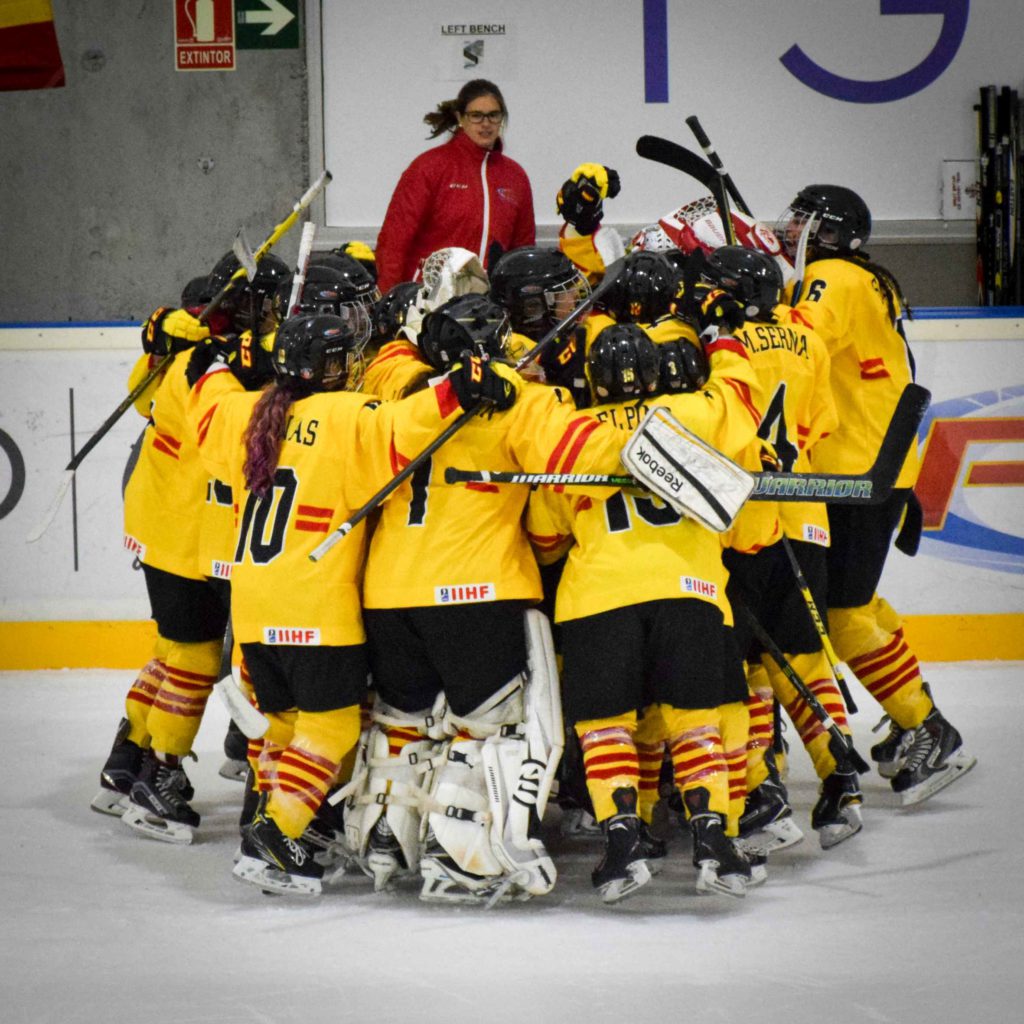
429	661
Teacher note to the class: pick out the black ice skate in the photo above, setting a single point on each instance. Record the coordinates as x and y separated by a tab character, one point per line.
118	774
236	749
623	869
890	753
836	815
721	866
654	850
276	863
934	760
158	807
767	824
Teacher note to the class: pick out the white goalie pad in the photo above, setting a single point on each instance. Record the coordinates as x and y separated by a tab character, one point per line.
389	792
491	794
686	472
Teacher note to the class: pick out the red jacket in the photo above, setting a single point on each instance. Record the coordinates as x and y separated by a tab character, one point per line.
457	194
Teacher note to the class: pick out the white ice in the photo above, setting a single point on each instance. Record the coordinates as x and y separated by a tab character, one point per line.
919	918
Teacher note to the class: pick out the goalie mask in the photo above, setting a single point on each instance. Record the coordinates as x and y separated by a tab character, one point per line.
538	287
644	290
320	350
750	276
249	303
843	219
623	363
470	322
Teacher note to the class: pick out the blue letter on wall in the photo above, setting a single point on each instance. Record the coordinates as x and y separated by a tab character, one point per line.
852	90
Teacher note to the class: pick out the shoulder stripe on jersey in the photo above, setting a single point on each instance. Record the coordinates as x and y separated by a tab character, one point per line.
563	442
204	424
726	344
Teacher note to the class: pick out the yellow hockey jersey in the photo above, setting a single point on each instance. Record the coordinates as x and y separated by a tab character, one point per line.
339	448
870	364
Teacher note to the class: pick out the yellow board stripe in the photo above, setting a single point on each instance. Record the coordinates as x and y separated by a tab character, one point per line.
116	645
14	13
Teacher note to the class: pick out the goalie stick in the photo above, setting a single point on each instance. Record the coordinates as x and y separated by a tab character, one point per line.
870	488
671	154
610	277
211	307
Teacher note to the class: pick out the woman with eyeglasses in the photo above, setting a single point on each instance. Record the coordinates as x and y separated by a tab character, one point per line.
465	193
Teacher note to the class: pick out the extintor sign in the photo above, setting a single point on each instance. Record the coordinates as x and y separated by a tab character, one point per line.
204	35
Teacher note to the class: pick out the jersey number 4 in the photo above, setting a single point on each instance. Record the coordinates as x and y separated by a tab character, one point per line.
773	430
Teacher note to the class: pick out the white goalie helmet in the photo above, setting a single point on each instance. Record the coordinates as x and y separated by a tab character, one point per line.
446	274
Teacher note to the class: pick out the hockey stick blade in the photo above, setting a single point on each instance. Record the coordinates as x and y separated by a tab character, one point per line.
252	722
244	254
870	488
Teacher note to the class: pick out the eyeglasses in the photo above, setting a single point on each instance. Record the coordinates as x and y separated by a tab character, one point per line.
479	116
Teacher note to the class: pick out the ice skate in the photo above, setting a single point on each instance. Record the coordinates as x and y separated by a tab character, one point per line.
578	823
236	749
384	858
445	882
325	838
623	868
721	866
118	774
158	807
767	824
890	753
275	863
935	759
836	815
654	850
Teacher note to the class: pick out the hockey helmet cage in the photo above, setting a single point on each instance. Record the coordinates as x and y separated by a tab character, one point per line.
249	302
538	287
320	350
750	276
644	290
339	287
623	362
843	219
471	322
391	311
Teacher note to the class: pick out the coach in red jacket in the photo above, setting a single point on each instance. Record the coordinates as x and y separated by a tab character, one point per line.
465	193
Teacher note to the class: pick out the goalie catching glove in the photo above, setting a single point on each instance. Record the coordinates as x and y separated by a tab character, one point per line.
580	200
172	330
686	472
475	381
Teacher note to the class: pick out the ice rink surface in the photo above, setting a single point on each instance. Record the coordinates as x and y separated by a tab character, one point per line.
918	918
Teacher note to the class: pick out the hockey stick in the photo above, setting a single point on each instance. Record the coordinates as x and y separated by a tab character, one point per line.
870	488
610	277
819	625
716	161
69	470
671	154
253	723
800	259
842	745
305	250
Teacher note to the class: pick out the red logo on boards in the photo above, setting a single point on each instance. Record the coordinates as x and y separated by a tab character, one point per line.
204	35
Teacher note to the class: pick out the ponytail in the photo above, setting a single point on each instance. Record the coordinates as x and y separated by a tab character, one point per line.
263	434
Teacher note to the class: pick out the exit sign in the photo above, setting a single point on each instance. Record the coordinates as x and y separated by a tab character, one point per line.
267	24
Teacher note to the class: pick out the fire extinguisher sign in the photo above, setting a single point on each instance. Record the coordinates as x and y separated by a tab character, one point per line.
204	35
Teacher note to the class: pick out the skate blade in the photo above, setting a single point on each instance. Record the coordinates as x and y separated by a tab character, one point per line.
889	769
234	770
382	868
440	887
619	888
775	836
109	801
578	824
256	872
154	827
710	883
957	765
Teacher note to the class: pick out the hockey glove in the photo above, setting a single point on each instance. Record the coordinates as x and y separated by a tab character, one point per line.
475	381
580	200
684	367
714	307
248	359
200	361
172	330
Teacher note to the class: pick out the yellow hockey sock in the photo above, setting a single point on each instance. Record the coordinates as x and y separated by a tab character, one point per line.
735	731
609	759
698	757
178	708
650	751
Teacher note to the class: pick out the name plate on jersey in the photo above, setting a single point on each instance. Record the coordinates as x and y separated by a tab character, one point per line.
465	593
303	636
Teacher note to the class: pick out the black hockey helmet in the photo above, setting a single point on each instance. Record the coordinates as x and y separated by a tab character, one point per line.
538	287
361	253
321	350
644	290
749	275
623	362
335	285
844	221
391	311
197	292
471	322
248	302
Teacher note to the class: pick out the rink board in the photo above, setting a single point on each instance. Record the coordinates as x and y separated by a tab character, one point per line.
73	600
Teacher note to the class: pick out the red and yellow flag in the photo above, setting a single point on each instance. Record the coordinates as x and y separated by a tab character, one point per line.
29	54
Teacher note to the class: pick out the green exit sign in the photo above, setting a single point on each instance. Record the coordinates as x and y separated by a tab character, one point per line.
267	24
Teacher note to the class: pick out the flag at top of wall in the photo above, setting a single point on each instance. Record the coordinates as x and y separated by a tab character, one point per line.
29	54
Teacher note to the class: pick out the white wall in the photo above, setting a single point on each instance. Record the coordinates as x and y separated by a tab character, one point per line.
573	75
